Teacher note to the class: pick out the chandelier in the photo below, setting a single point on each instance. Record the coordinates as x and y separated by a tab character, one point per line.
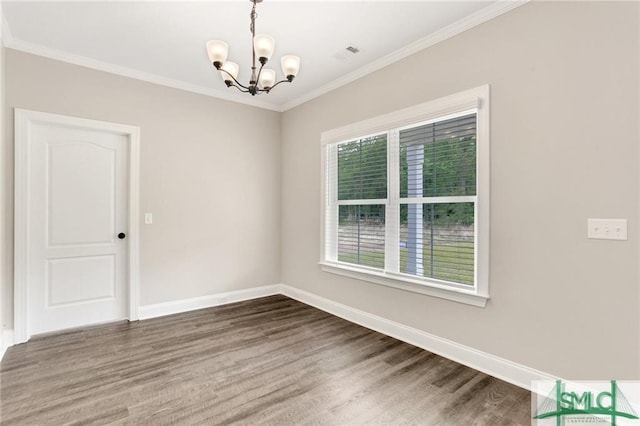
262	79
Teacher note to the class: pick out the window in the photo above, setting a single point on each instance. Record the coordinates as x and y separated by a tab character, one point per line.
362	196
406	198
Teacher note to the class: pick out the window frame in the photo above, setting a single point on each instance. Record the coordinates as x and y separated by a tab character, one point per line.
477	100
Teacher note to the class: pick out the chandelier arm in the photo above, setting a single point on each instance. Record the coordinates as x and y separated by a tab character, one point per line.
286	80
234	79
237	87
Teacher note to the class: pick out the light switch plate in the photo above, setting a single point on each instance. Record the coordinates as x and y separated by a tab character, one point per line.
148	218
607	229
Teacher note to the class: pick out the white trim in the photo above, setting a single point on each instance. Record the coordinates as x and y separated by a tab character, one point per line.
5	31
134	223
6	341
20	255
186	305
439	200
328	225
392	209
439	108
503	369
364	202
23	120
448	291
482	219
492	11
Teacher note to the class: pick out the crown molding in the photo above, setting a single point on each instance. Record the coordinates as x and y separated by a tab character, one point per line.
11	42
5	31
464	24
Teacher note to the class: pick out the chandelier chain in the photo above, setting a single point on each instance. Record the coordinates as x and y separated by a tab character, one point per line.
253	17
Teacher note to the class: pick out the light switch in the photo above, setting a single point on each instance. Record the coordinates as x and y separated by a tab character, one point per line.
148	218
607	229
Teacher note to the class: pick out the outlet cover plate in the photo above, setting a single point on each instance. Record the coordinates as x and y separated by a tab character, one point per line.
607	229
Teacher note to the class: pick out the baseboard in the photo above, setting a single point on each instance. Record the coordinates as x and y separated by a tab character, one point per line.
6	341
495	366
185	305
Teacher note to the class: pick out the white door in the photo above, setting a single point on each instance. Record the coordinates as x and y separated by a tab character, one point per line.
77	206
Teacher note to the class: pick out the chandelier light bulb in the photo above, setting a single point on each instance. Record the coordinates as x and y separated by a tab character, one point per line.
290	66
267	78
230	68
264	46
217	51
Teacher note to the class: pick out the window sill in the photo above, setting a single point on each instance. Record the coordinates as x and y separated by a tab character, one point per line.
460	295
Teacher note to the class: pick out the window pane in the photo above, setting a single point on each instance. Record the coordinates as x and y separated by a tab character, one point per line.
362	169
439	159
437	241
361	235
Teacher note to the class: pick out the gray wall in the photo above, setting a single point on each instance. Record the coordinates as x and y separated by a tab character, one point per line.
210	174
564	147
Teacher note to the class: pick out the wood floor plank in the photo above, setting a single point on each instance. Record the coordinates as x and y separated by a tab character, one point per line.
266	361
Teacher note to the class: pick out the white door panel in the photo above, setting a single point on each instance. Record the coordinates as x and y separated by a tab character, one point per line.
81	171
66	277
78	204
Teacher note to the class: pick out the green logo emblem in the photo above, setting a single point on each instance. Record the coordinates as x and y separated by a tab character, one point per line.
586	406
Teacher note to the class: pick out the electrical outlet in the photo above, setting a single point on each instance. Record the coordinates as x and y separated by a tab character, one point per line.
607	229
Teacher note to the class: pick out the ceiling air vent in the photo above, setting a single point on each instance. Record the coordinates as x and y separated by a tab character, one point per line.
346	54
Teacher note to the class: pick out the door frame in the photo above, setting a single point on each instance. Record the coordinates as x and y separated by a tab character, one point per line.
24	120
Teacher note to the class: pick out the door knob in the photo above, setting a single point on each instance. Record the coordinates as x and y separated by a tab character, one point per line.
121	235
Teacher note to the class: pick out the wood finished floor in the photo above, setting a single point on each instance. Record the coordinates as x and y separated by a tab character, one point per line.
267	361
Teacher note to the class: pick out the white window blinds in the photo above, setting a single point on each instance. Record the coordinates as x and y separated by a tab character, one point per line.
361	168
437	206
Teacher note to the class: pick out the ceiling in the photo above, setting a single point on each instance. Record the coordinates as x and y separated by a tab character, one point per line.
164	42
